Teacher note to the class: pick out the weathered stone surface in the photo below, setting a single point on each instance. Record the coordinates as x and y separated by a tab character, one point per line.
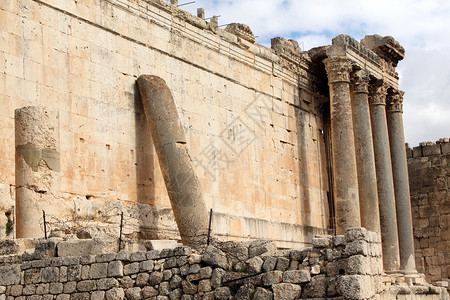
86	285
194	258
316	288
254	264
164	288
10	275
182	183
138	256
282	264
98	295
74	273
70	287
142	279
155	278
56	288
133	293
217	277
204	285
189	287
296	276
259	247
263	294
222	293
132	268
215	257
107	283
42	288
79	247
175	294
357	247
322	242
358	264
272	277
345	186
115	294
245	292
148	292
98	270
167	274
355	287
105	257
286	291
16	290
45	249
115	269
353	234
269	263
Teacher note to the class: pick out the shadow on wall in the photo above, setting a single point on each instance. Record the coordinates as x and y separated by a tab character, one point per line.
145	155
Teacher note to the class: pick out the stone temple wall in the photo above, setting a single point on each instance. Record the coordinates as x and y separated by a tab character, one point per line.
340	267
429	175
253	128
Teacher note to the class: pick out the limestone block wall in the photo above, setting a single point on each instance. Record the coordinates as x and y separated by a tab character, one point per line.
340	267
253	128
429	175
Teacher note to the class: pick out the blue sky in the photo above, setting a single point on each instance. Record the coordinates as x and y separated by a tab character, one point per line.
421	26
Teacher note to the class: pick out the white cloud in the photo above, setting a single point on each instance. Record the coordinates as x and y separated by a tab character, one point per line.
421	26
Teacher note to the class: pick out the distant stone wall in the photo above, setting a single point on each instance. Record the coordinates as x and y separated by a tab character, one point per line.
340	267
429	176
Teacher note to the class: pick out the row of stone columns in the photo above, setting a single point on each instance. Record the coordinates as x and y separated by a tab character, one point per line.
369	160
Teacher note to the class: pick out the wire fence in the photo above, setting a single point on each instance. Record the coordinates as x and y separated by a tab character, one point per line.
112	223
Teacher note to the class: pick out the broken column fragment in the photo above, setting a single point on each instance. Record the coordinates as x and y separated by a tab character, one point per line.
183	185
37	167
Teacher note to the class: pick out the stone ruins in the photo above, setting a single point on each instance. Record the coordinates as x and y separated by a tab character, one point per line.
131	124
429	170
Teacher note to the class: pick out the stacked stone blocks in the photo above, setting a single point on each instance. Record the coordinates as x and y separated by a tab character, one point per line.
347	266
429	173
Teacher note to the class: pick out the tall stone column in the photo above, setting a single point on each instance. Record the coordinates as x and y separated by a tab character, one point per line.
401	182
365	159
343	146
37	168
385	183
183	185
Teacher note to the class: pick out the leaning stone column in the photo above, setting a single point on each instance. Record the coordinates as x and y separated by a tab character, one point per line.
401	182
37	168
385	184
182	184
343	146
367	177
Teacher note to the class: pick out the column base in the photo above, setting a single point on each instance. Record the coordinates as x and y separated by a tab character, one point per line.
399	277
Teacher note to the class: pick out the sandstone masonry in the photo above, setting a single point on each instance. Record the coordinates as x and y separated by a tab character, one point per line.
341	267
429	173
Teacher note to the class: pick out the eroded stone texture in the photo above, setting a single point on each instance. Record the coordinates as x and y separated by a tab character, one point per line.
429	170
182	183
357	275
342	138
385	183
37	167
401	181
367	178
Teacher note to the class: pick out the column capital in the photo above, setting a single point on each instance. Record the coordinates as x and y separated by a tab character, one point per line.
378	92
395	101
338	69
360	81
